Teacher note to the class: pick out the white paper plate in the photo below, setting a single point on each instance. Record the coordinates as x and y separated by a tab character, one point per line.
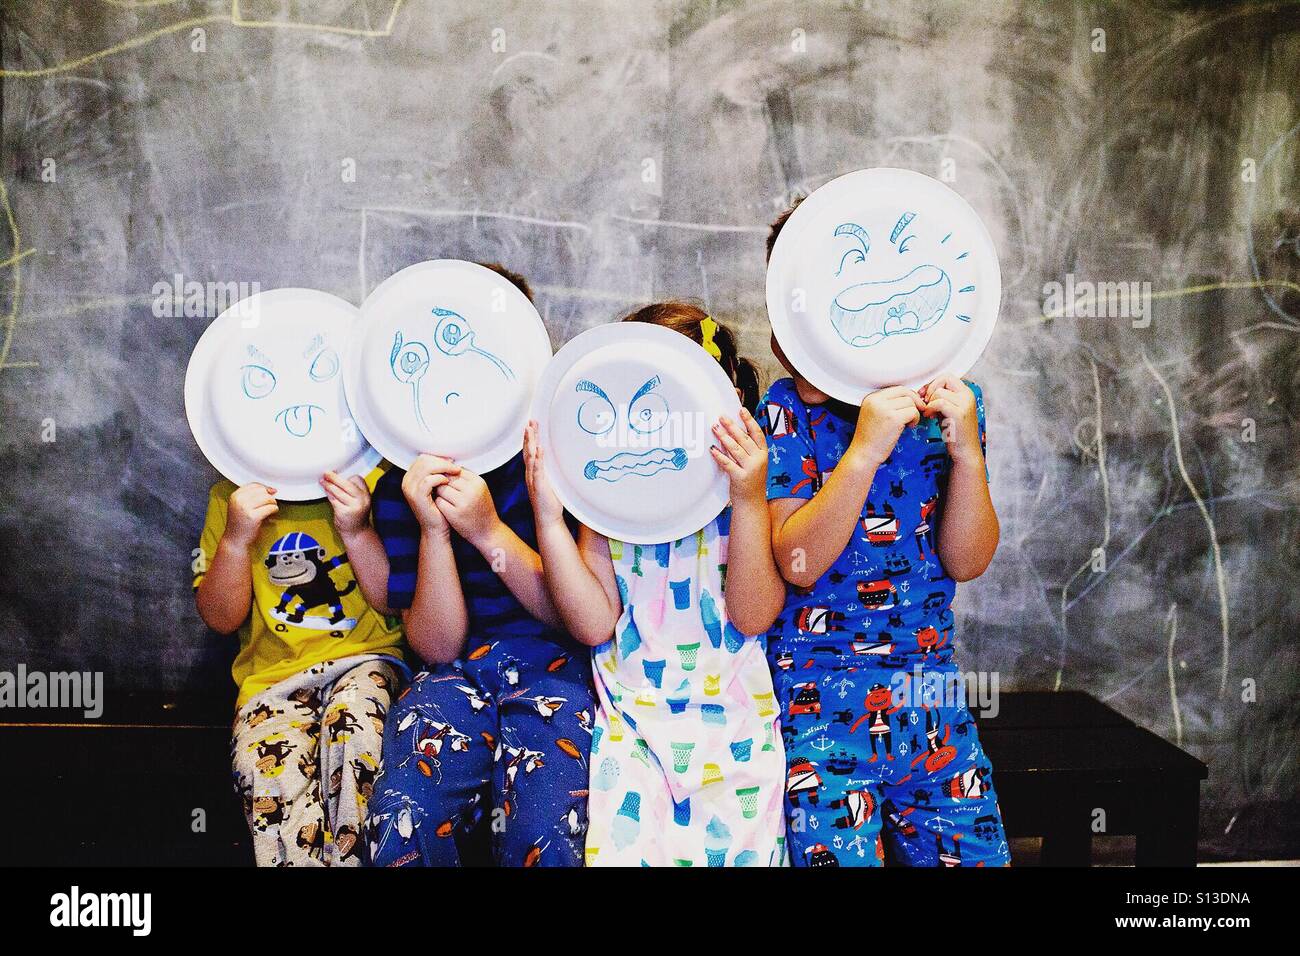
882	277
445	360
625	413
264	392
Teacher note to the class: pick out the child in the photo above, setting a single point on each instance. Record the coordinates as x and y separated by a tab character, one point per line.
876	512
503	727
315	668
690	775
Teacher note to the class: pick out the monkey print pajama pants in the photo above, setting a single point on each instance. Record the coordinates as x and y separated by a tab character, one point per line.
305	754
877	759
505	733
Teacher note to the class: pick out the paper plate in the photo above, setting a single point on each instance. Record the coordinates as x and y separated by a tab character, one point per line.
625	415
445	360
264	392
882	277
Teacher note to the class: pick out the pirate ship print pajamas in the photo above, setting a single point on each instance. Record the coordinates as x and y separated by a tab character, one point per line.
686	756
882	751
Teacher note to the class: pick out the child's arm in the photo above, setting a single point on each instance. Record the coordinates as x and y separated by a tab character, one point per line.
968	526
437	622
467	504
350	499
225	595
579	575
809	535
755	592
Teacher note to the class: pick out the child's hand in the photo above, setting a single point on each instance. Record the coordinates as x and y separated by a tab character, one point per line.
745	457
952	400
882	418
546	504
250	505
426	474
467	505
350	499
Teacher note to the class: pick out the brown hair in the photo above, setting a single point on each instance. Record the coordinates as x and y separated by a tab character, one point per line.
686	318
514	278
778	223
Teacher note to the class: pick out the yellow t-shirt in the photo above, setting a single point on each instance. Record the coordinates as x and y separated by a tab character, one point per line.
307	607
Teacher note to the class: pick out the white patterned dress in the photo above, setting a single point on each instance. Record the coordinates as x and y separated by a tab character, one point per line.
687	764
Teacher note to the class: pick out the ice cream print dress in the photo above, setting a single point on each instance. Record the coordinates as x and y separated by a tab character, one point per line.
687	764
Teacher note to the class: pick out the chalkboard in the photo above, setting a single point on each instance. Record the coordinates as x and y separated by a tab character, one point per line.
617	153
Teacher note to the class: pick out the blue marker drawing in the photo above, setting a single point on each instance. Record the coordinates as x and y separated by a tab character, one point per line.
298	418
409	362
864	243
899	226
618	467
453	336
867	313
647	413
258	381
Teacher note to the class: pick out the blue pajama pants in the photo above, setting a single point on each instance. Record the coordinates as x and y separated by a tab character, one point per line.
504	733
881	762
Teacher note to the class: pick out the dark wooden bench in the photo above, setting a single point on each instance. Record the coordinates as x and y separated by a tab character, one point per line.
1060	760
125	791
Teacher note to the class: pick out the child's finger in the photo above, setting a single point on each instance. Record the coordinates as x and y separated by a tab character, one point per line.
731	469
755	430
738	435
728	443
450	493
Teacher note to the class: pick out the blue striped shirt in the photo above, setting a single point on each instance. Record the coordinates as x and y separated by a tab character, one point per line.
491	607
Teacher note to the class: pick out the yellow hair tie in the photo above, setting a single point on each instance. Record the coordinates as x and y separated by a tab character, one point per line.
708	328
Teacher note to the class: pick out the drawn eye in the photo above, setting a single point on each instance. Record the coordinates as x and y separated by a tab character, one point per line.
325	366
649	413
596	415
258	382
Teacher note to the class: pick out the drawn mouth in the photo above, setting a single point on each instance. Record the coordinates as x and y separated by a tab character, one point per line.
298	419
645	464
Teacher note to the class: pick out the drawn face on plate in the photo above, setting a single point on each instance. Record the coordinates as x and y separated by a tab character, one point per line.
277	393
449	383
644	419
630	434
899	287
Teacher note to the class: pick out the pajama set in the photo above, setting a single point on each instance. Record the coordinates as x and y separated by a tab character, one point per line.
501	736
315	670
686	754
882	752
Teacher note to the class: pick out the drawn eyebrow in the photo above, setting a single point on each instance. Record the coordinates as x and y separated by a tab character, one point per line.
589	386
649	386
256	353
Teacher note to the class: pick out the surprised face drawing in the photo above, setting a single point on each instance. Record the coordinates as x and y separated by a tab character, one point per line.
453	339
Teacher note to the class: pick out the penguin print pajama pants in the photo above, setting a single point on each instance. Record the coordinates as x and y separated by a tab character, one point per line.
305	754
505	733
879	761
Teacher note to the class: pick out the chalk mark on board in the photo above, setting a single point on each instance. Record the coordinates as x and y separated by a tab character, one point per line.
1205	516
1171	624
233	18
1250	227
15	292
1100	450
